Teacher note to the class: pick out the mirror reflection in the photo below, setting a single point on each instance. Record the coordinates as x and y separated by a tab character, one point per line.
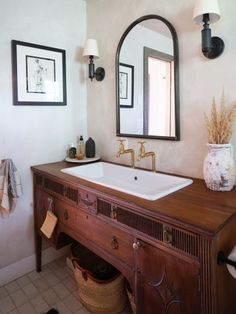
147	94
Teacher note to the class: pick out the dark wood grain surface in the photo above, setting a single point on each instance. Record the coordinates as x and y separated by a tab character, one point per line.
194	205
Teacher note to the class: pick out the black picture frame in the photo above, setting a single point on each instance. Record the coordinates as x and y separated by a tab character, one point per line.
38	75
126	85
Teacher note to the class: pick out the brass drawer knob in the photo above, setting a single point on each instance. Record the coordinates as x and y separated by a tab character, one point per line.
114	243
113	213
167	235
136	245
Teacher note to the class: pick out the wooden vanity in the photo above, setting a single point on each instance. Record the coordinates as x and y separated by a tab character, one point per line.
167	249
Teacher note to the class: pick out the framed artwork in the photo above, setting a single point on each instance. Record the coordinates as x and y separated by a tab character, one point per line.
126	85
38	75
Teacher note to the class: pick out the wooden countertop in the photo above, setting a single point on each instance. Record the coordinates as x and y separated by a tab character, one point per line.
194	205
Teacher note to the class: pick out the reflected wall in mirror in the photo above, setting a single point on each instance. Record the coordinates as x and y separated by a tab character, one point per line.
147	80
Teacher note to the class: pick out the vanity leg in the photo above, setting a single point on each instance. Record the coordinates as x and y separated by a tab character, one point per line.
137	295
38	251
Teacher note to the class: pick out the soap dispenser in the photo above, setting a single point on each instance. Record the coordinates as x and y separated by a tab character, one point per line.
80	151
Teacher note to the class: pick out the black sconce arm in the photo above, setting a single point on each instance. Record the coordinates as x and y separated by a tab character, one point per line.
222	259
212	47
99	73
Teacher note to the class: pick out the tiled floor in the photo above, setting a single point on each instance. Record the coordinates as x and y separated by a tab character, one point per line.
36	292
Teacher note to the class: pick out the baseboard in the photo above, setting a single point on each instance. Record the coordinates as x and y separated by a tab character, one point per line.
26	265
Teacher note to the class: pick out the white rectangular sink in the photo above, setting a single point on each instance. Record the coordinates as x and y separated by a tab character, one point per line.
148	185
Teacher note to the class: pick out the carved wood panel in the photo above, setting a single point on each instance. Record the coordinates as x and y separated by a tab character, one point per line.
169	284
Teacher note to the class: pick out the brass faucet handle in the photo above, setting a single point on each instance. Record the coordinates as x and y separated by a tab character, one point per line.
142	148
142	142
121	141
121	146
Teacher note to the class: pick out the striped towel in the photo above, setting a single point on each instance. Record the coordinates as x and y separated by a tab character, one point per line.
10	186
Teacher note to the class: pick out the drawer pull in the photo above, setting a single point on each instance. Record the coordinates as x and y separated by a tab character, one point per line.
114	243
167	235
113	213
66	216
136	245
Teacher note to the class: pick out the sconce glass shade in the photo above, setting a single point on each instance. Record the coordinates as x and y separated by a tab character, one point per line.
210	7
91	48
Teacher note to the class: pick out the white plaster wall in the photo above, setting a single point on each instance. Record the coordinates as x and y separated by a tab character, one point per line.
35	135
200	79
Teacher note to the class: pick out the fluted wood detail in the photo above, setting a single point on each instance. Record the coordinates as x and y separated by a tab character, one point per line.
206	278
54	186
185	241
72	194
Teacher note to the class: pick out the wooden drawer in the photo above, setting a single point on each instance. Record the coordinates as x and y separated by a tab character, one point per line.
109	238
114	241
171	236
66	214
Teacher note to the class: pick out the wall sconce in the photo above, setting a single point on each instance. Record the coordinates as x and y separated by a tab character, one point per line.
91	51
207	11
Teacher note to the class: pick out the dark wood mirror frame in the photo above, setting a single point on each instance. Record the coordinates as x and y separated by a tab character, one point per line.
176	78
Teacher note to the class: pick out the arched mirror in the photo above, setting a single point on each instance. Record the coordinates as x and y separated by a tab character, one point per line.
147	80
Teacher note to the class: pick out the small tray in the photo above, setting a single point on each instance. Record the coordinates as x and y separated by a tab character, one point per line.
82	161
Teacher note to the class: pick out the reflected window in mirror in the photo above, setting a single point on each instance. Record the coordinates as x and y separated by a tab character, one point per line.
159	109
147	80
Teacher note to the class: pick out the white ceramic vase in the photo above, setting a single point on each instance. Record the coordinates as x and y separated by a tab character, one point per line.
219	169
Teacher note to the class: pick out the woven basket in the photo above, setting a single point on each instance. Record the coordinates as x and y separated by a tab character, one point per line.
131	297
99	296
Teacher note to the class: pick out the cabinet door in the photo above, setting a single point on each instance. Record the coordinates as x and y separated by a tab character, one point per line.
166	284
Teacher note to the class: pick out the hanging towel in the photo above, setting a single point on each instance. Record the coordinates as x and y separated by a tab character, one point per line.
10	186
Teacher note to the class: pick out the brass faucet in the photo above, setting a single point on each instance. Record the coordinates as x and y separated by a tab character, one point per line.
142	155
123	151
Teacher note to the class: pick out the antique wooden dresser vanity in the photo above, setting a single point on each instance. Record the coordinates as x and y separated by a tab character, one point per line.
167	249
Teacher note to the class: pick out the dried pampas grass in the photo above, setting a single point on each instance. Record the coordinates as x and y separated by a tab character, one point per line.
220	122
